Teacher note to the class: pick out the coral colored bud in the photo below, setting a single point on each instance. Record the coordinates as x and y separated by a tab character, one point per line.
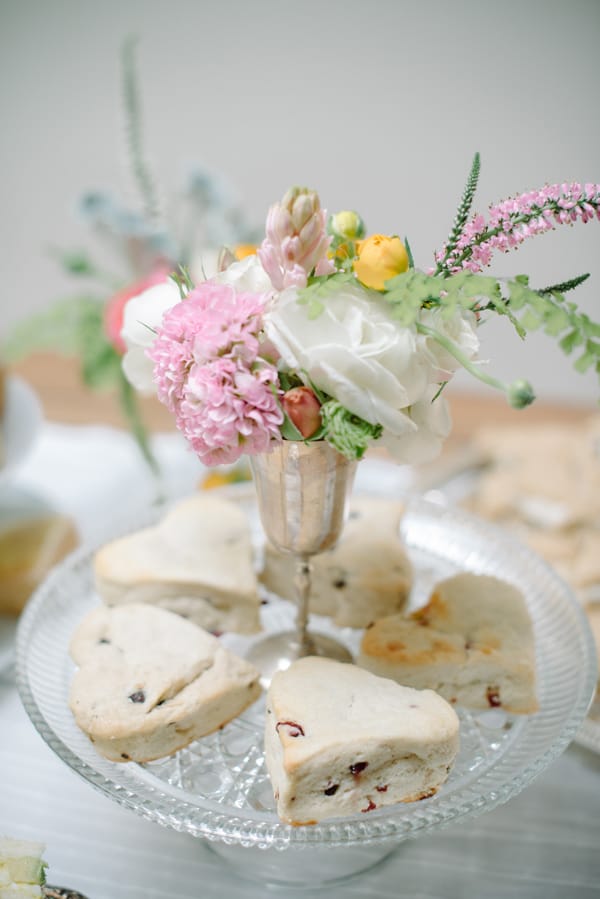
347	225
303	409
379	259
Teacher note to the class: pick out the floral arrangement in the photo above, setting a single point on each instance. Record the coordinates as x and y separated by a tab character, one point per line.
328	334
138	246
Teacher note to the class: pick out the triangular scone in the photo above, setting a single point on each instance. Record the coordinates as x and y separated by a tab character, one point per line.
339	741
149	682
197	562
366	576
472	643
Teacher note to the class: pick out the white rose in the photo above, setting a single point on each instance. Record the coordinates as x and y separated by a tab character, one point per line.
430	425
354	351
246	276
142	316
459	328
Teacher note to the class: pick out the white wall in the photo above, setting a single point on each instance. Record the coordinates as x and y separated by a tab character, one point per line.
379	105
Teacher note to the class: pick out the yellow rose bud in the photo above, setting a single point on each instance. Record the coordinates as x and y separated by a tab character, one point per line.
347	225
379	259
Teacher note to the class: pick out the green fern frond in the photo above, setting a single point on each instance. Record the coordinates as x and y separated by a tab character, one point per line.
462	213
565	286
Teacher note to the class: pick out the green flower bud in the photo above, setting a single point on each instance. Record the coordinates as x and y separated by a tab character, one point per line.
346	224
520	394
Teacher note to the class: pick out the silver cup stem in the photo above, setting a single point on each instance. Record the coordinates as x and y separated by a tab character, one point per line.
302	586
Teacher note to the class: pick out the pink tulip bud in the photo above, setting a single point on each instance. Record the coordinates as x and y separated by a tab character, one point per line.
303	409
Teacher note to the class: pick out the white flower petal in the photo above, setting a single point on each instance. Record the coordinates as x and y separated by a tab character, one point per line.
246	276
424	442
138	370
144	313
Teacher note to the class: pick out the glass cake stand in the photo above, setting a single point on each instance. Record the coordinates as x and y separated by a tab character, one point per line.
218	789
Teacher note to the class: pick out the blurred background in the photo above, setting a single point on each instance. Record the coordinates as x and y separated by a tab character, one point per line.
378	106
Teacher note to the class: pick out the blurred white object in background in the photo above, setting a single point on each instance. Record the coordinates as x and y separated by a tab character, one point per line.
20	425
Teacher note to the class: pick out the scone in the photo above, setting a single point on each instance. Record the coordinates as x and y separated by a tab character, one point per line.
149	682
197	562
366	576
472	643
340	741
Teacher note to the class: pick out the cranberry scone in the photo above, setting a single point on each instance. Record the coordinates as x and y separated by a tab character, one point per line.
340	741
472	643
149	682
365	576
197	561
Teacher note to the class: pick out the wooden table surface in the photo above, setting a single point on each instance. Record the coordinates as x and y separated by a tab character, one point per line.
64	398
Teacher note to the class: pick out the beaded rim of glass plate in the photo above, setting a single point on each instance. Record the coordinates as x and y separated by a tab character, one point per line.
440	541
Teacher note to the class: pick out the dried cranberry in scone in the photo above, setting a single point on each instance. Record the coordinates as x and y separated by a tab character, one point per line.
364	742
149	682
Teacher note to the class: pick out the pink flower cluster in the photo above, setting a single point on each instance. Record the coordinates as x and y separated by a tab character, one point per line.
209	372
514	220
297	241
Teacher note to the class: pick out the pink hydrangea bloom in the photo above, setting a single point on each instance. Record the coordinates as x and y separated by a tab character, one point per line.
209	372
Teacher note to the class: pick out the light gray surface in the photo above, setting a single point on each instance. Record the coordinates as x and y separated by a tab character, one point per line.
544	844
380	107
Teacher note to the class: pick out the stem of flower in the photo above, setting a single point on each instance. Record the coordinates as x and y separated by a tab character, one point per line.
519	394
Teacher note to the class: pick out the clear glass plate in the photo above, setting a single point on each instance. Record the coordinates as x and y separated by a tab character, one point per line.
218	788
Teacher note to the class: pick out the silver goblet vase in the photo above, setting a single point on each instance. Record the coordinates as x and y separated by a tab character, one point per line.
303	490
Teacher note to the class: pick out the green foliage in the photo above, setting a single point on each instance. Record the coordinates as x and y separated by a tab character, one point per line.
131	412
77	262
318	289
547	310
565	286
288	429
133	125
527	309
63	328
183	280
462	213
412	290
347	433
72	327
288	380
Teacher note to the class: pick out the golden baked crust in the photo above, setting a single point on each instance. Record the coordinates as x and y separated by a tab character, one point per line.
472	643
